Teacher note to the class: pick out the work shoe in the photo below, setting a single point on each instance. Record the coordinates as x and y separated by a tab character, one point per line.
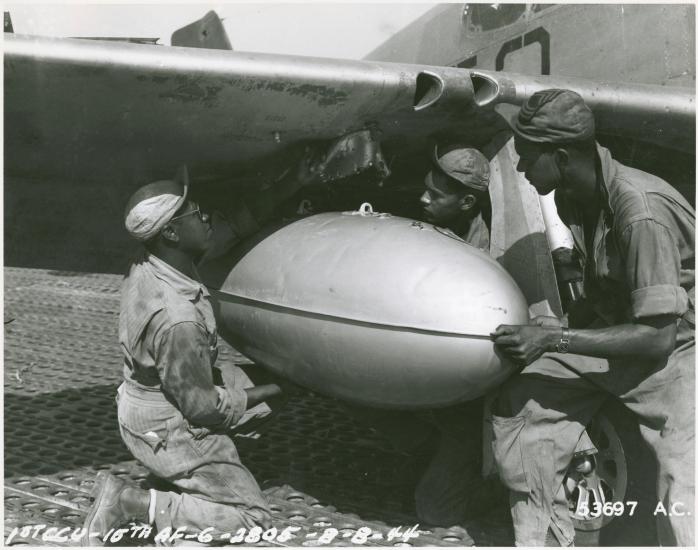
106	511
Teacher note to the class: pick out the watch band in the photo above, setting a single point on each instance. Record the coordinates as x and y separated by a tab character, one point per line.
563	346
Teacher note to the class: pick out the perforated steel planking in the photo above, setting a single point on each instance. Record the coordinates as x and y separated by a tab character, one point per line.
319	469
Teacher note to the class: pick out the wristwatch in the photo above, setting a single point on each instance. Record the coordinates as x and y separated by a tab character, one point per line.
563	346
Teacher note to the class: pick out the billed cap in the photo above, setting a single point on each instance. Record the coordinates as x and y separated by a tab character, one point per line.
465	165
153	205
554	116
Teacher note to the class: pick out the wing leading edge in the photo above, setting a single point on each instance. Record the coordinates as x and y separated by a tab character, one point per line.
78	107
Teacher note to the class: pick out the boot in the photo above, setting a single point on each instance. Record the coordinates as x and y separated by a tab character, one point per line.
107	510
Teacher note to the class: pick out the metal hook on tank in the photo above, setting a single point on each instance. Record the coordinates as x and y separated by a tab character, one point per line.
366	209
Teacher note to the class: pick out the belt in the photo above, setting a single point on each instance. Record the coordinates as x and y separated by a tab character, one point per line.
137	392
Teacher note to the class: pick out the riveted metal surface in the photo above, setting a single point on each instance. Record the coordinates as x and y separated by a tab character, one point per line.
319	469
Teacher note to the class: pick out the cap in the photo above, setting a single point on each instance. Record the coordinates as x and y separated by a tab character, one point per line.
554	116
465	165
154	204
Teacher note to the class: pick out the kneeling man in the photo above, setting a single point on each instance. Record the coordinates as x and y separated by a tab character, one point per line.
172	417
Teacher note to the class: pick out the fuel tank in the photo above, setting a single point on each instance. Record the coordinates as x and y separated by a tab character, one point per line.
370	308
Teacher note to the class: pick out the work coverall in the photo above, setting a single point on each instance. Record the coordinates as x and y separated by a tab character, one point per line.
640	264
167	404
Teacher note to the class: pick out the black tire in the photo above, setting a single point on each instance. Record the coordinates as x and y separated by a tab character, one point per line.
628	470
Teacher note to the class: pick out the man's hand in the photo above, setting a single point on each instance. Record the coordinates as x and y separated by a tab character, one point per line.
523	344
547	321
288	388
224	400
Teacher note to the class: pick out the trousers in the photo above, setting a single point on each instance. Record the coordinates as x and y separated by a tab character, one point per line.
450	489
541	413
216	490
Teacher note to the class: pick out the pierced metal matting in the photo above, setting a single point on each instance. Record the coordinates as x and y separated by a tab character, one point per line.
62	366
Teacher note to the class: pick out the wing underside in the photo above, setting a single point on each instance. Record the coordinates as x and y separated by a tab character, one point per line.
111	111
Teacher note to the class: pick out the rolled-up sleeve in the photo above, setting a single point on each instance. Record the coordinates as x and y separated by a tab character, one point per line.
238	398
653	270
184	366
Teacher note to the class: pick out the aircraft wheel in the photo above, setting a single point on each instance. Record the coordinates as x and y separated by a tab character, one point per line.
624	472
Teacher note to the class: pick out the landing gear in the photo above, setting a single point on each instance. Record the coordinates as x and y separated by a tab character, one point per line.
610	492
596	481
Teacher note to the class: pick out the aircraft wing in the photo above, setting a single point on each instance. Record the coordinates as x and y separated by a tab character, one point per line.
88	108
111	111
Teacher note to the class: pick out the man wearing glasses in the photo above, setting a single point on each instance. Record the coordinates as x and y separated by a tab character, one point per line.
172	416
